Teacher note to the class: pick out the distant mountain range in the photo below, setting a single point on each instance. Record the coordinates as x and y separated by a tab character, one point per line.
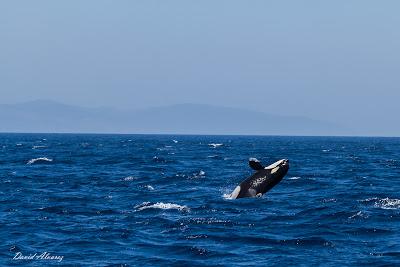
51	117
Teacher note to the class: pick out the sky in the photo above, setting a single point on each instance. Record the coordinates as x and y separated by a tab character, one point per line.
336	61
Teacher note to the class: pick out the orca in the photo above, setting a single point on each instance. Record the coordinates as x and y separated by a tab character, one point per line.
262	180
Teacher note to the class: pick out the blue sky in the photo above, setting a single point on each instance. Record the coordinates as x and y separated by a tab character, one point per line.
337	61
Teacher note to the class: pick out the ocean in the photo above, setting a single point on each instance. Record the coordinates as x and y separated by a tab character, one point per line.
160	200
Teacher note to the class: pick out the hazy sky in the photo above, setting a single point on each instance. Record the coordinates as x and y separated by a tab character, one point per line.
329	60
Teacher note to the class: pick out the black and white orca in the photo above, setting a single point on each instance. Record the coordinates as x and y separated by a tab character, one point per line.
263	180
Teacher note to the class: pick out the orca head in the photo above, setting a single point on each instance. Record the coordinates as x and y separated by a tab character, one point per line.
279	168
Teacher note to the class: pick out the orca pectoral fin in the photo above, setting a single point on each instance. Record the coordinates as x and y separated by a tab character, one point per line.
255	164
235	193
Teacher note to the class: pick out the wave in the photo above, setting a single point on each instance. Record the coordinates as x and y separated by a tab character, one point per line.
215	145
196	175
384	203
388	203
43	159
359	214
201	173
161	205
150	187
36	147
129	178
326	200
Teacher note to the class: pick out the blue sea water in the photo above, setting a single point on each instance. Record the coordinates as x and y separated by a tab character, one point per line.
159	200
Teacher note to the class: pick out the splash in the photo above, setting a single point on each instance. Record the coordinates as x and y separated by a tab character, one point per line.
227	196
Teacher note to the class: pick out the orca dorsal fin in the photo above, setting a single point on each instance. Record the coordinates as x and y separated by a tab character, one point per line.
255	164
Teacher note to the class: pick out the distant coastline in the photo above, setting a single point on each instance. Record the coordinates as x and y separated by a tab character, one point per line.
194	134
53	117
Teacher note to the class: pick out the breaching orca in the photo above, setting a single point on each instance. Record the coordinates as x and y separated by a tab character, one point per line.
263	180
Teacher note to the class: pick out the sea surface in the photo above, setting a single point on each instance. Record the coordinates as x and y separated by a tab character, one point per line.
161	200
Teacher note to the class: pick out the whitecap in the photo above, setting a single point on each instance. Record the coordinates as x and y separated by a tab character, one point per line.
129	178
359	214
32	161
18	144
150	187
175	141
326	200
388	203
294	178
161	205
211	220
36	147
200	174
326	150
215	145
368	199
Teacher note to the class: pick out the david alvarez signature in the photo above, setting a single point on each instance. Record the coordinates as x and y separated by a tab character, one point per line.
38	256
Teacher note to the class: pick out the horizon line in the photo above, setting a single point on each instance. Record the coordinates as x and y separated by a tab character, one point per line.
194	134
